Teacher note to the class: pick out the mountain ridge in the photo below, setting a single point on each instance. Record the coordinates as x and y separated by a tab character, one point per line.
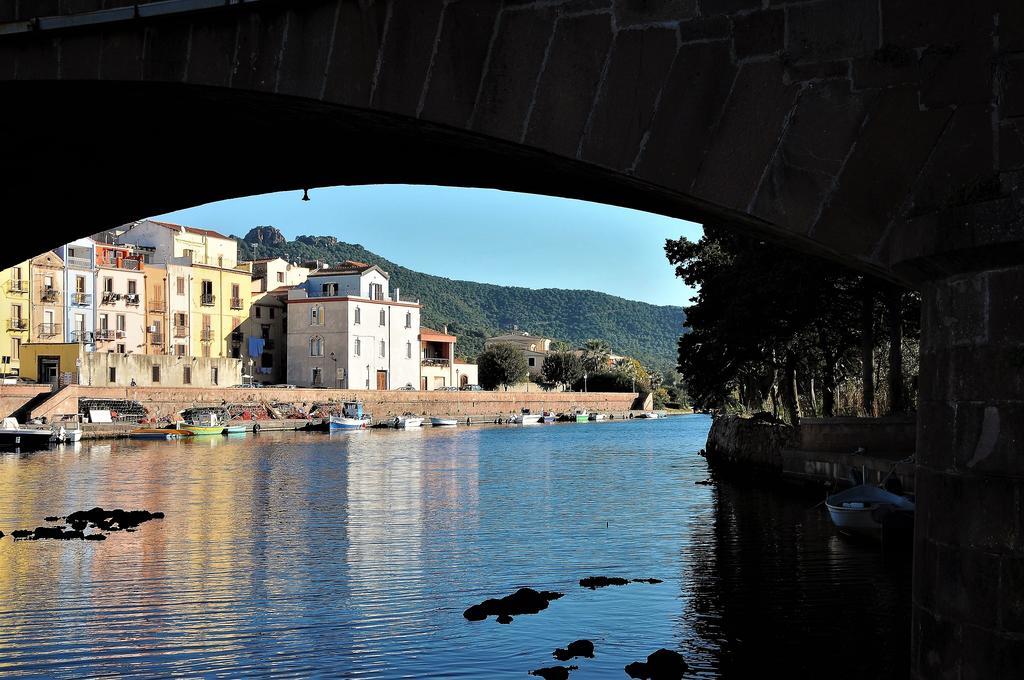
474	310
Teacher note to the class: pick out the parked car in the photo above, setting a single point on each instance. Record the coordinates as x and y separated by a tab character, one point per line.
406	388
447	389
471	388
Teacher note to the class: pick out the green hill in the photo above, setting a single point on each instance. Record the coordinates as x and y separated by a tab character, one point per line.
473	311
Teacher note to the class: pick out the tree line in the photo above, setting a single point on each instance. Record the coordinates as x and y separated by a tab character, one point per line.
775	330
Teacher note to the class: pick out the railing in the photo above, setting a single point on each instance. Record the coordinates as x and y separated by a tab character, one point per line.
132	299
81	336
131	263
81	298
236	336
79	262
181	331
236	303
110	297
207	299
435	361
17	286
104	334
206	334
120	334
49	329
17	324
158	306
156	338
49	294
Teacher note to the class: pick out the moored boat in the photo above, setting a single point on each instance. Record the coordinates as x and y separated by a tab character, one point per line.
526	418
862	509
548	417
597	416
650	415
159	433
62	435
205	424
14	436
351	418
444	422
580	415
406	420
236	429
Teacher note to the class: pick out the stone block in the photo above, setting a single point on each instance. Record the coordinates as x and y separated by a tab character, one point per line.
80	56
405	57
358	36
258	49
640	63
1011	602
307	44
166	52
459	61
1011	93
967	586
634	12
121	58
935	427
37	60
985	373
710	8
960	73
830	30
705	28
568	86
920	23
746	135
926	569
1011	25
211	51
1011	145
990	654
512	71
691	105
990	438
759	33
821	70
937	646
1005	302
887	66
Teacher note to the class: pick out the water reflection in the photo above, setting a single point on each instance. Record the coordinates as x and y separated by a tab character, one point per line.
355	555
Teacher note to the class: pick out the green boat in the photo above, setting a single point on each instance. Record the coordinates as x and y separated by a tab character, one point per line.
581	415
236	429
205	425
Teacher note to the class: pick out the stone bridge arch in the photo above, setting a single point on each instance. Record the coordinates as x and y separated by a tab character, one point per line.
888	134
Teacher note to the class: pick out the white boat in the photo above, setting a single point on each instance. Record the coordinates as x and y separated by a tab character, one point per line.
598	416
444	422
14	436
62	435
861	509
526	419
351	418
651	415
406	421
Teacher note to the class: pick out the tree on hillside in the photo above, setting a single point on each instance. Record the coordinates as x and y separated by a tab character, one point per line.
501	364
596	354
562	368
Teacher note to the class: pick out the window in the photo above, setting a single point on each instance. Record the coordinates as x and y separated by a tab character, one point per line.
359	315
108	284
48	281
316	316
408	319
383	317
316	346
206	350
265	331
318	377
121	323
408	350
186	375
328	289
376	291
132	288
280	277
271	312
215	375
79	284
80	323
359	346
180	285
15	348
179	350
234	291
266	360
104	322
156	374
120	348
259	312
383	348
532	361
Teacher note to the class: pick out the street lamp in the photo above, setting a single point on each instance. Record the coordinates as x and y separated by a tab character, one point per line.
584	381
334	358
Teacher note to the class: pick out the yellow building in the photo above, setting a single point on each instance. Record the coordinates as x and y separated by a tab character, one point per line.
46	298
206	291
14	316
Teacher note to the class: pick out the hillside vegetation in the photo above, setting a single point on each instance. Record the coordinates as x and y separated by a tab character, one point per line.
474	311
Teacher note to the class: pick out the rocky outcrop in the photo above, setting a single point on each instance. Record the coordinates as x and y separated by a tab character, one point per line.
318	241
749	445
523	601
269	236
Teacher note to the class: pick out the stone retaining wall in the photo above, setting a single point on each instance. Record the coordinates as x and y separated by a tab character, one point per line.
748	445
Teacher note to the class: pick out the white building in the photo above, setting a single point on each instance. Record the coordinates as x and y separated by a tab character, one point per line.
347	330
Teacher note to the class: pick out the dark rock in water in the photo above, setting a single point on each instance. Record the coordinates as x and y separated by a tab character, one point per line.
523	601
57	533
110	520
51	519
21	533
647	580
1	534
704	482
594	582
95	537
577	648
663	664
554	672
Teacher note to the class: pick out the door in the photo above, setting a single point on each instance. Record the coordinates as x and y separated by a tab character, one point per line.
49	369
382	380
423	383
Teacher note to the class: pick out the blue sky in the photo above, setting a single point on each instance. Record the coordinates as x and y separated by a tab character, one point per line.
476	234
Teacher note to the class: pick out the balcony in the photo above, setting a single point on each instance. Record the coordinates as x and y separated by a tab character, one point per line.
156	338
81	299
207	299
435	361
78	262
110	297
17	286
48	330
49	294
105	334
236	303
132	263
132	299
181	331
236	336
17	325
157	306
81	336
206	334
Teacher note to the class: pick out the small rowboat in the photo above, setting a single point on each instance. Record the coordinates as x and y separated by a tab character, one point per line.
159	433
863	508
406	421
337	423
444	422
236	429
527	419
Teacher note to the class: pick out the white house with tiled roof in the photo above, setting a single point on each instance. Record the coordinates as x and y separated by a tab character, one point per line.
347	329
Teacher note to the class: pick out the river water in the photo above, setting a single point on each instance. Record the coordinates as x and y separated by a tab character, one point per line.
355	554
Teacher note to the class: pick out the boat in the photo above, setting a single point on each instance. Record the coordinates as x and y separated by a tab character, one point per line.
203	425
444	422
406	420
548	417
863	508
598	416
651	415
351	418
14	436
159	433
236	429
62	435
580	415
526	418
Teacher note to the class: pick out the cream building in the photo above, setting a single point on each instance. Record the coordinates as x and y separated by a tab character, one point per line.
535	348
46	295
346	329
438	365
120	300
14	316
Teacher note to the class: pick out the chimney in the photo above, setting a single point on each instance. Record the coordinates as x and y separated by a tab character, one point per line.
445	331
398	294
